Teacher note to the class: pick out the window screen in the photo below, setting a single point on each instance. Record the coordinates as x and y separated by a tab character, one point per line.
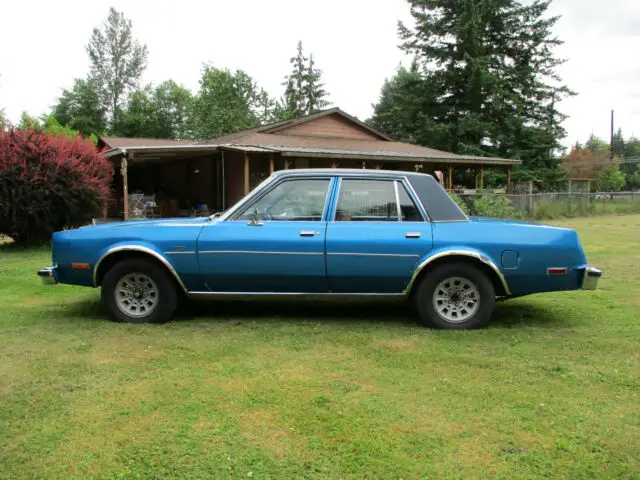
366	200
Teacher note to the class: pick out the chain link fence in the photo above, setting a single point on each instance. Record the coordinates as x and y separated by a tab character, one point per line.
562	204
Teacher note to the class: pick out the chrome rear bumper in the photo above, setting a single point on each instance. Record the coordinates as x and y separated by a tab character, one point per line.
46	275
590	278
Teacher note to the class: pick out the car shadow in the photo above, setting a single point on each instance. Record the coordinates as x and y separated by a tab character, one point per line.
506	315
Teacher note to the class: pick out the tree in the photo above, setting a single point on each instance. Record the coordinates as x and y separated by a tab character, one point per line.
49	125
304	93
611	179
226	102
49	182
80	108
634	179
117	61
588	162
161	112
489	83
597	146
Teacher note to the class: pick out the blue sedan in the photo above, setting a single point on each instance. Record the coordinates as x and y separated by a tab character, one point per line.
319	233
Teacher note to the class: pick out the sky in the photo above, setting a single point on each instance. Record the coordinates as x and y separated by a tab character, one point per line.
354	42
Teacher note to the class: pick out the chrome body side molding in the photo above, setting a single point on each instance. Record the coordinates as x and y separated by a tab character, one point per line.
293	295
253	252
136	248
463	253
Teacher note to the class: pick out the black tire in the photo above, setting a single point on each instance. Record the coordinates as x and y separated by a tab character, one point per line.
430	317
167	295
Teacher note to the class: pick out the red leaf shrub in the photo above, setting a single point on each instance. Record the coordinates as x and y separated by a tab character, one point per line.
48	183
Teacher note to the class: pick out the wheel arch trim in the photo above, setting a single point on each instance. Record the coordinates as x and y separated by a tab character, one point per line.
457	253
139	249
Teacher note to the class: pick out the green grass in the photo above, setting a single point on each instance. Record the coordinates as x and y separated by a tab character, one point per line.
236	390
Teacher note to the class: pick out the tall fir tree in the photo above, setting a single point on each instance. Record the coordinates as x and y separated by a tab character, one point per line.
304	91
484	80
117	62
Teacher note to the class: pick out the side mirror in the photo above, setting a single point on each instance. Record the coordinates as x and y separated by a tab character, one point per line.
256	221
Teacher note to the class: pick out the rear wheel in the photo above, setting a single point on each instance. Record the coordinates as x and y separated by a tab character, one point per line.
139	291
455	296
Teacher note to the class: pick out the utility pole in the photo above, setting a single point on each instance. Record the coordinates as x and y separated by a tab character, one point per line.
611	144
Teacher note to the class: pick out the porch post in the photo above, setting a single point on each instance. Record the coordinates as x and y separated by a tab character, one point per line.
246	173
271	164
125	187
450	175
508	179
481	178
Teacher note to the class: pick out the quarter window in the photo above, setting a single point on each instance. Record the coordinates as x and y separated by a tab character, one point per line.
367	200
293	200
408	210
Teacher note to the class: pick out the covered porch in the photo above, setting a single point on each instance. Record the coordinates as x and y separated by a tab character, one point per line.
200	179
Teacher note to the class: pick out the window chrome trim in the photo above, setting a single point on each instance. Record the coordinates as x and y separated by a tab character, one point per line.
136	248
254	252
464	253
395	189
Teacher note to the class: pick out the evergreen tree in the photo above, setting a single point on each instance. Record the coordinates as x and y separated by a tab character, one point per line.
484	80
117	62
304	93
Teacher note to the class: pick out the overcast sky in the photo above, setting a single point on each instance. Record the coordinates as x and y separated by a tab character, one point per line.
354	42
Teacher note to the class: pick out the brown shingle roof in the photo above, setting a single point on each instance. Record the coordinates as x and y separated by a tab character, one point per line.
123	142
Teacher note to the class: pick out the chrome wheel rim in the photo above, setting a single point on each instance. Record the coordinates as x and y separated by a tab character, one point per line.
136	295
456	299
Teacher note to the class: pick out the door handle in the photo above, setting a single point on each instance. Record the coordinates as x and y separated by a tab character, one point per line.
308	233
412	235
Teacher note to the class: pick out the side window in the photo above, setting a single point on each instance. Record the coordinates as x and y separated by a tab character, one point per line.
292	200
408	210
366	200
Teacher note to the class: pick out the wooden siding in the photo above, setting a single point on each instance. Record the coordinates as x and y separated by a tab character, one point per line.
330	126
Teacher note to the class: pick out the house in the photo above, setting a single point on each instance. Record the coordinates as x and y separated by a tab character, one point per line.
180	176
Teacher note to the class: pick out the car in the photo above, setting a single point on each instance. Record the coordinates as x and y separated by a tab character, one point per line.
319	233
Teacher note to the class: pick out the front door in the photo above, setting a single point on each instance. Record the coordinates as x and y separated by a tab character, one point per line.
275	244
376	237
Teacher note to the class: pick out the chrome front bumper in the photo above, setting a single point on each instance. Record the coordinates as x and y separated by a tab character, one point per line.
590	278
46	275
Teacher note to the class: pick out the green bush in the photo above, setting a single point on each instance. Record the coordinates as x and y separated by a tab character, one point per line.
461	203
495	206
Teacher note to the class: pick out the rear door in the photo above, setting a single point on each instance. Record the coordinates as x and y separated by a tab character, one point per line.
375	237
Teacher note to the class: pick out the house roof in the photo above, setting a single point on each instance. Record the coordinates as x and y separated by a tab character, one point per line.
124	142
275	127
277	137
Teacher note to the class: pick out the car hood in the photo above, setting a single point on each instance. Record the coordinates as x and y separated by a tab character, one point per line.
152	223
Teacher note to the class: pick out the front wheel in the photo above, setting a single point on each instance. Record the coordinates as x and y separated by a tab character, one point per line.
139	291
455	296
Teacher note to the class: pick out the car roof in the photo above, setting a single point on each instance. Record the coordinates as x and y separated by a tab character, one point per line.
347	172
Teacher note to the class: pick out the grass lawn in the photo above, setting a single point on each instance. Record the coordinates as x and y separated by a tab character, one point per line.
551	389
